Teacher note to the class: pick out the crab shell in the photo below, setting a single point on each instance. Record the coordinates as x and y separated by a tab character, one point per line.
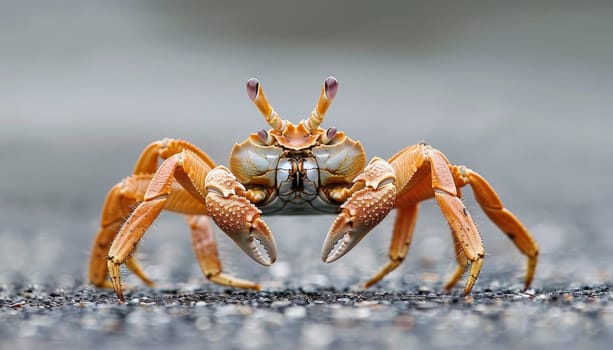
335	162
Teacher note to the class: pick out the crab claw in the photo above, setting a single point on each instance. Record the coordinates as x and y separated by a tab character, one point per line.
364	210
238	217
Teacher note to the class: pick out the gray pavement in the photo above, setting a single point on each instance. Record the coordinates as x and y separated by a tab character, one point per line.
519	92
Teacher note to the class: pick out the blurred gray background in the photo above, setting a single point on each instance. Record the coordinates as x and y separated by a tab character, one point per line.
519	91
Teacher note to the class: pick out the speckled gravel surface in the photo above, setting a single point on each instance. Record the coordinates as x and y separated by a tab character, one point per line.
37	316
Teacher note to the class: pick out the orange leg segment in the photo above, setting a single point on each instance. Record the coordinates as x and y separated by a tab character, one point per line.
463	264
406	217
118	204
492	206
148	160
461	223
205	249
157	197
422	172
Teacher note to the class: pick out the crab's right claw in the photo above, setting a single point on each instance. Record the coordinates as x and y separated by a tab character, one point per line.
364	210
238	217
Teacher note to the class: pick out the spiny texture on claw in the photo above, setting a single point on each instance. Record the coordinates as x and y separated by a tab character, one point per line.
376	172
364	210
238	217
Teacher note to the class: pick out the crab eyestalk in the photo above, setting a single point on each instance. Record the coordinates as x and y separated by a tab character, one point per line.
328	92
256	94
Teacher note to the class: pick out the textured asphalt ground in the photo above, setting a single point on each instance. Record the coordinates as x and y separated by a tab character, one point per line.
40	316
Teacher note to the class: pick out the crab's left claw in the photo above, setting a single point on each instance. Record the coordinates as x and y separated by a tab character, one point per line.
364	210
238	217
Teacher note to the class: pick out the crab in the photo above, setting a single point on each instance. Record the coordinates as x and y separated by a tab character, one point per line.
295	169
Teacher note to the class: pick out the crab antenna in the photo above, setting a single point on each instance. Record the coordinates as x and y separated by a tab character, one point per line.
328	92
256	94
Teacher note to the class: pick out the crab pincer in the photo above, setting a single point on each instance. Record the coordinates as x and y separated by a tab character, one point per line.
364	209
238	217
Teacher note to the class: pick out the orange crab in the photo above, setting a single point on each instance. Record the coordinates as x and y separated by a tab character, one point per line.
294	169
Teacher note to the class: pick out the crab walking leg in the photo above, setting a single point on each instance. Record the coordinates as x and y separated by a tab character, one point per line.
148	160
492	206
157	197
460	221
406	217
464	229
423	172
118	204
123	197
135	267
463	264
206	252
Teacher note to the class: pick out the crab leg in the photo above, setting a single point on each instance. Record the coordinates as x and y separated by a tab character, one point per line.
460	221
463	264
205	249
157	197
117	206
406	217
422	172
492	206
148	160
124	196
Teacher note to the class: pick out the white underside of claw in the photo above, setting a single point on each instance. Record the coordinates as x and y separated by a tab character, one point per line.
260	252
339	249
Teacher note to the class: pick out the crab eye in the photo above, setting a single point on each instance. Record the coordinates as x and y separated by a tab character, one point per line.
329	135
331	132
331	87
264	137
252	88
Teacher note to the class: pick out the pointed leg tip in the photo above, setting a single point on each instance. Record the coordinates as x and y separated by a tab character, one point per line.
528	282
120	297
469	286
468	289
371	282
